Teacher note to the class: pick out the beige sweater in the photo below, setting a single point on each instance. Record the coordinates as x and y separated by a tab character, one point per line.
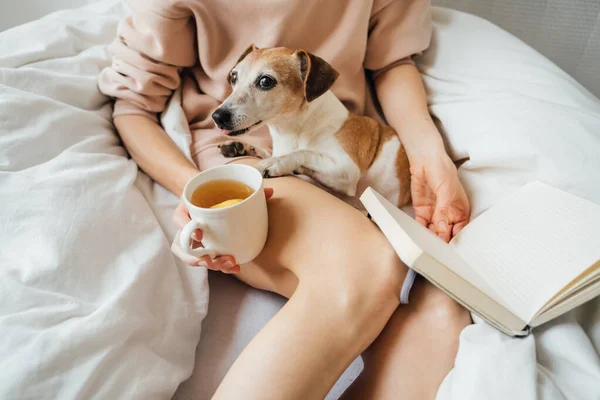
195	43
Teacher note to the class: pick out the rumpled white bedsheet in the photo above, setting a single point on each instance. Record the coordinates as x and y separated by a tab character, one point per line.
93	304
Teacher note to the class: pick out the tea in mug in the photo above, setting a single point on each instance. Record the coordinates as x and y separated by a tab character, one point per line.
220	193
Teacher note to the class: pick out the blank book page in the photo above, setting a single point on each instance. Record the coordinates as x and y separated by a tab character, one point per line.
532	244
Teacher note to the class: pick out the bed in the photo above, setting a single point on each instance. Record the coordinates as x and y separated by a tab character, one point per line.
93	304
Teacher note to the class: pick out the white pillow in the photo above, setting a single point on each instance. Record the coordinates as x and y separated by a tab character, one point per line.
514	113
92	303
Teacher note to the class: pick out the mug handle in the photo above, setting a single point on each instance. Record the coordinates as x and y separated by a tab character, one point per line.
186	236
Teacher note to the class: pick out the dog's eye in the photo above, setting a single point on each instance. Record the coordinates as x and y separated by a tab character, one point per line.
233	78
266	82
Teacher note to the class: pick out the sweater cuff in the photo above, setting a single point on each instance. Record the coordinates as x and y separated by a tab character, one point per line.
123	107
406	60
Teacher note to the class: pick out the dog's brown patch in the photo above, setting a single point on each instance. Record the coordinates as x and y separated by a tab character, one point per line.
363	139
359	137
403	173
290	77
402	165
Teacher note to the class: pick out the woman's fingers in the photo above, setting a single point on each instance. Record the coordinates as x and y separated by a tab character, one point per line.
197	235
269	193
234	270
181	216
431	227
452	210
226	264
206	262
422	221
441	216
178	251
458	227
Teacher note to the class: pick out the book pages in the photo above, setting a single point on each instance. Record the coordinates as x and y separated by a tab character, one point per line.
532	244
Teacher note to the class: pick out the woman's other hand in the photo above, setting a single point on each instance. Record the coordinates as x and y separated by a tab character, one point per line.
438	197
225	264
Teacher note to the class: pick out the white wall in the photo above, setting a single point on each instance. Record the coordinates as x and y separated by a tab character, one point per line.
565	31
16	12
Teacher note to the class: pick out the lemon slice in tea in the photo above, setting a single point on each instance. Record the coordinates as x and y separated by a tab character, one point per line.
227	203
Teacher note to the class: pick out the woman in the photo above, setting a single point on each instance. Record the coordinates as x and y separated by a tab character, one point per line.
342	277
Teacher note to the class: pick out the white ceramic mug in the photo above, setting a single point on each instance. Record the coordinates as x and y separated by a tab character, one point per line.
239	230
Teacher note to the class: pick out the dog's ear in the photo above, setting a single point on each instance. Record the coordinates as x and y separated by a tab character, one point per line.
249	50
318	76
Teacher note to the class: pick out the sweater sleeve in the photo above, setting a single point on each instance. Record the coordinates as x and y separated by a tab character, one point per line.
398	29
152	45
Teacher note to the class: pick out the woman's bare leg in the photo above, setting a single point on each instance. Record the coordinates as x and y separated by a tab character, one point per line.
343	281
415	351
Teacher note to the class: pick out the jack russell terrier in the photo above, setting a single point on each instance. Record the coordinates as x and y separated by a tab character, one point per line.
313	133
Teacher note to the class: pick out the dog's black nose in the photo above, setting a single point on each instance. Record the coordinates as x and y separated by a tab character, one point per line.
222	117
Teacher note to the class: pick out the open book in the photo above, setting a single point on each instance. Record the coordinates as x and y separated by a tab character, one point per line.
530	258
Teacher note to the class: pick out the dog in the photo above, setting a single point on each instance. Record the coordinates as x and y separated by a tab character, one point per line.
313	133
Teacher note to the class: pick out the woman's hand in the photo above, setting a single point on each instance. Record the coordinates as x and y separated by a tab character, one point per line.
439	200
225	264
438	197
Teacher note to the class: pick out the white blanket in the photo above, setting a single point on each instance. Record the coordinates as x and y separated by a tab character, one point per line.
93	304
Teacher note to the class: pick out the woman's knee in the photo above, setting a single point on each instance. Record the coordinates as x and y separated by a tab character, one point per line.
362	290
375	280
435	309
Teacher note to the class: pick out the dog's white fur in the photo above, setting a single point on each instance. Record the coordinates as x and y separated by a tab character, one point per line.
308	145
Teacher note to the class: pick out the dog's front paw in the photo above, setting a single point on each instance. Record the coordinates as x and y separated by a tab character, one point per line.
233	148
273	167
